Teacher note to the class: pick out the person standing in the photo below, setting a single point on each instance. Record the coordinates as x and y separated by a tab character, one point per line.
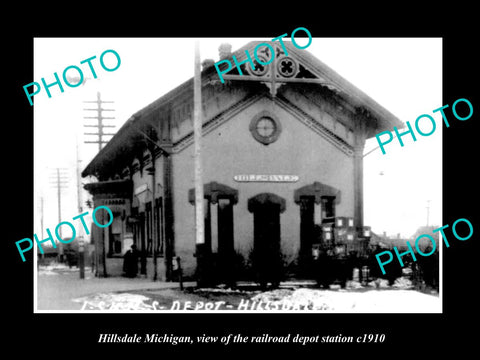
130	262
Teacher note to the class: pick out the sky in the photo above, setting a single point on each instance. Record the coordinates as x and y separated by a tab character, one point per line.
404	75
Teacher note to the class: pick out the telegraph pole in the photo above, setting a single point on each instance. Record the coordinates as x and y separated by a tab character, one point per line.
81	243
60	181
100	125
201	251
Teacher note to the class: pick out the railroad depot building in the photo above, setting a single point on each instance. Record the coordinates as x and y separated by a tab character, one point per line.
281	154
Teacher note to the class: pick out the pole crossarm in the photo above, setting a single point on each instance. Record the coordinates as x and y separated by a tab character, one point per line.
100	125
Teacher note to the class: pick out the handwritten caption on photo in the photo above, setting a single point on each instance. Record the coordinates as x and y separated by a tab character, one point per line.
177	305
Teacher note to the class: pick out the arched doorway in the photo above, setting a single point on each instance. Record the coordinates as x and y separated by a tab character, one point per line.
266	257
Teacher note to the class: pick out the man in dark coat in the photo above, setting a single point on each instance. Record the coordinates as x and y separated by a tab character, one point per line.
130	262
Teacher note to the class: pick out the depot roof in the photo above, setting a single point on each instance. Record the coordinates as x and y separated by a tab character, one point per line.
128	136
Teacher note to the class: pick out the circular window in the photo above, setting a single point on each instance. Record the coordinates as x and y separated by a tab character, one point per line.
287	66
260	69
265	128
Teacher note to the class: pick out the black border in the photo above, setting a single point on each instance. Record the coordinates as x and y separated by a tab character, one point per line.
407	334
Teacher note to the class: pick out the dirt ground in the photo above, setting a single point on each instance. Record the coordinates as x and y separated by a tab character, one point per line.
293	298
61	289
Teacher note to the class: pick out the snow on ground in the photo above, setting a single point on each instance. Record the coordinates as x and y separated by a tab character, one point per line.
57	268
126	294
375	298
47	272
114	301
371	301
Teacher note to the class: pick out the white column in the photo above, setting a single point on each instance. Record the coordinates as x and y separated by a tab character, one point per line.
214	226
317	211
197	130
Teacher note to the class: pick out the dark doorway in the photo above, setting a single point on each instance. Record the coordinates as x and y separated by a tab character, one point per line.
267	261
138	227
143	249
226	252
307	233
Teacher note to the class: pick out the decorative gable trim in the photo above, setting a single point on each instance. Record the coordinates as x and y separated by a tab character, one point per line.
216	121
285	104
283	68
314	125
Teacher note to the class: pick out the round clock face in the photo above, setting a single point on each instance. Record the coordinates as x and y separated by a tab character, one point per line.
265	128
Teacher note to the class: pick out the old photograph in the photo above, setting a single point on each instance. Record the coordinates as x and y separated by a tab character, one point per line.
197	175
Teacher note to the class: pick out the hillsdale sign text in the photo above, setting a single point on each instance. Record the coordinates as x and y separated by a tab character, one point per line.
266	178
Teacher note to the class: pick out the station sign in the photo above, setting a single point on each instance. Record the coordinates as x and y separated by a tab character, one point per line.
266	178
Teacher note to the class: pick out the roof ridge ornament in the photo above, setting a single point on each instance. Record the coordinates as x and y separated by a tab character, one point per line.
258	65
